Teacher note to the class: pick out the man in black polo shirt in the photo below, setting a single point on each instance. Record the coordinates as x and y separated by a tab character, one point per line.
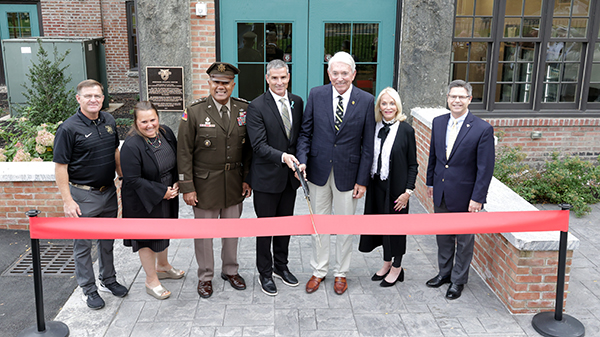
86	155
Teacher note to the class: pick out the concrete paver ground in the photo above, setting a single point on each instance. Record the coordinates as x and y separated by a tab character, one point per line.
407	309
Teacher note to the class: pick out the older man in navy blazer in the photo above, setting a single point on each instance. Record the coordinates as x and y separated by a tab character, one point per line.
335	147
461	165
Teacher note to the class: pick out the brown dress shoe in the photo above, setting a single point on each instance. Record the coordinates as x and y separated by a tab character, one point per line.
340	285
236	281
205	289
313	284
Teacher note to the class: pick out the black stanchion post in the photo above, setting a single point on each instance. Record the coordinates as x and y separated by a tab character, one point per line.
52	329
559	324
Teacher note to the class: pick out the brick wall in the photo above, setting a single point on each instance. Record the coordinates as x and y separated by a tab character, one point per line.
16	198
574	136
203	48
86	18
524	280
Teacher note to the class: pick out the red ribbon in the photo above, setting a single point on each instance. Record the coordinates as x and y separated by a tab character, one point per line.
410	224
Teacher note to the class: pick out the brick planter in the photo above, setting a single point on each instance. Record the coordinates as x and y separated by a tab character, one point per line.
25	186
520	268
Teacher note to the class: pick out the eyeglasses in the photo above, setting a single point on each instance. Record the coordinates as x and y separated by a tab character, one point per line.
89	97
460	97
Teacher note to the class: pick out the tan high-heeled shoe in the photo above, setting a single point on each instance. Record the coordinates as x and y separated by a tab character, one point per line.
159	292
172	273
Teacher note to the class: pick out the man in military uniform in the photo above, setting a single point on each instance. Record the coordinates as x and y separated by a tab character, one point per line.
213	156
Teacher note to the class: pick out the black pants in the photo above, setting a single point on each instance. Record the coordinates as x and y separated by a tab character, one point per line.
270	205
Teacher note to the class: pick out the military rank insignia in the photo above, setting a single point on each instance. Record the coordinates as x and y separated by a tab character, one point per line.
242	118
184	116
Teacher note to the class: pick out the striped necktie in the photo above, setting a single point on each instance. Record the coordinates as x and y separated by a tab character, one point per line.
339	114
285	115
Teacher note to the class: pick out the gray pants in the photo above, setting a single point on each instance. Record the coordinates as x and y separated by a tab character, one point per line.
101	205
455	252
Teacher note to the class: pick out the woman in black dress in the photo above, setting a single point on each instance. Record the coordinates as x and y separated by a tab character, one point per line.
393	177
150	190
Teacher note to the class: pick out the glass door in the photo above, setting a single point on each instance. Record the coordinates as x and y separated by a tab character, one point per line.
364	28
256	32
17	21
306	34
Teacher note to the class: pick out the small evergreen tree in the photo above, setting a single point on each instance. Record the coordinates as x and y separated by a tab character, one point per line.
49	100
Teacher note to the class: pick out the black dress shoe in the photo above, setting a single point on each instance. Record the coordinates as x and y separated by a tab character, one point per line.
438	281
454	291
268	285
400	278
287	277
376	277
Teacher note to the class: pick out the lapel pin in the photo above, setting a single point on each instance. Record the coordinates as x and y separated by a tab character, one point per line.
209	106
468	125
352	102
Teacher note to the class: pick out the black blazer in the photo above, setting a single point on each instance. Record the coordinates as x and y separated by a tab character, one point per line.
268	139
467	173
142	189
403	166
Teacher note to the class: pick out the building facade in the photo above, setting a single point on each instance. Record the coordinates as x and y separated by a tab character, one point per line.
534	64
114	20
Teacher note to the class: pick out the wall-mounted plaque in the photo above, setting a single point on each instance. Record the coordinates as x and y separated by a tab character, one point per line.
164	87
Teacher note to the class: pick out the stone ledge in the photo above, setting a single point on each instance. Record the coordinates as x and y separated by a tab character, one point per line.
503	199
27	171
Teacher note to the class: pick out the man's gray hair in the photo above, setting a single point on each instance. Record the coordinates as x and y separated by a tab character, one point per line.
460	84
342	57
277	64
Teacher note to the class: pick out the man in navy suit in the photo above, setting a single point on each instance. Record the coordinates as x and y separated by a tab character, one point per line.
461	165
273	124
335	148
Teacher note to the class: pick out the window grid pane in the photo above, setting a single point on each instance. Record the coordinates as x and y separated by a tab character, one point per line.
359	39
515	72
259	43
469	63
594	90
19	24
473	19
561	74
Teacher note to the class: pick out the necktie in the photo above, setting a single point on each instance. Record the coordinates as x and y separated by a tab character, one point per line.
383	132
339	113
285	115
451	138
225	117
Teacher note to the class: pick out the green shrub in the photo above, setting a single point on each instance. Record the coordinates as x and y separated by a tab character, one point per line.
26	141
561	180
48	99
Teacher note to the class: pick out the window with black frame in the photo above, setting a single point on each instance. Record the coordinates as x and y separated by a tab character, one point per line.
132	35
528	55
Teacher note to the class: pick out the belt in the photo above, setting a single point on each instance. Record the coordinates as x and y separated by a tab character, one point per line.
90	188
226	166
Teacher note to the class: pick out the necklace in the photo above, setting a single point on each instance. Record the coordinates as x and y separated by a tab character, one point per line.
156	143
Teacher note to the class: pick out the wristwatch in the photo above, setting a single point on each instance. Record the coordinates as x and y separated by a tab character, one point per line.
409	191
